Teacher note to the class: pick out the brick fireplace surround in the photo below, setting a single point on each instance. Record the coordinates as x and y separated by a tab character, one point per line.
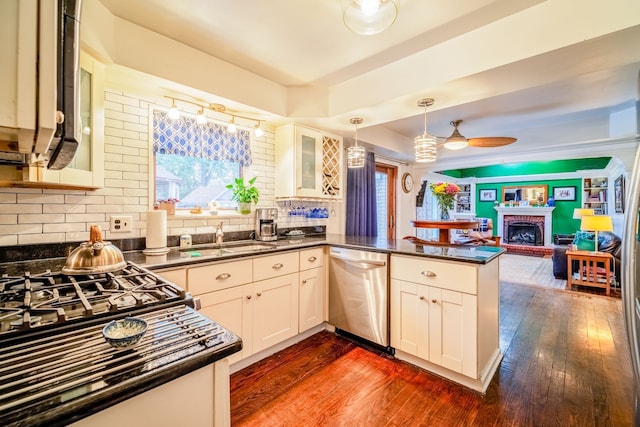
539	216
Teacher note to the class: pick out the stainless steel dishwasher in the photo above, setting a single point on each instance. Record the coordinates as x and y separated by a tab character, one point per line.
359	293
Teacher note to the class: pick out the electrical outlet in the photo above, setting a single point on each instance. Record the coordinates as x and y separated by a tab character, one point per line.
121	224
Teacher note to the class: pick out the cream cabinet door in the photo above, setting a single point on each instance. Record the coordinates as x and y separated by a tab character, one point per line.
410	318
233	309
275	310
453	327
311	298
435	324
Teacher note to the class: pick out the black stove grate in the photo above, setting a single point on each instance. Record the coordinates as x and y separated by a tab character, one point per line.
41	301
75	369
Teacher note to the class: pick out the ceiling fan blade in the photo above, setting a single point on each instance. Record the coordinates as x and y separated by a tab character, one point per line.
491	141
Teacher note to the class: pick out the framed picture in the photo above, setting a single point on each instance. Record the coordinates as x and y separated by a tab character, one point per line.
564	193
618	191
488	195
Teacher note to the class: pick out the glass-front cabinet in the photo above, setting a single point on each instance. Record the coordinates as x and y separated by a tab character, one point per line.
308	163
87	166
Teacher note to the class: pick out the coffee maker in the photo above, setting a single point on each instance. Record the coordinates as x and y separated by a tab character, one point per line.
266	225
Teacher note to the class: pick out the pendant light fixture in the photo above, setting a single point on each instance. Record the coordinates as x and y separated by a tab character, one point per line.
425	144
355	153
368	17
456	141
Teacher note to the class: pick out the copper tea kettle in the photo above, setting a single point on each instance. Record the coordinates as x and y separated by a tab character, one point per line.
94	256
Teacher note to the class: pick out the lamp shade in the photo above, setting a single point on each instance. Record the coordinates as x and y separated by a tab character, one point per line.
596	223
355	156
578	213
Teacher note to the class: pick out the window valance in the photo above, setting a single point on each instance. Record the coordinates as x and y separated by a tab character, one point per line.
185	137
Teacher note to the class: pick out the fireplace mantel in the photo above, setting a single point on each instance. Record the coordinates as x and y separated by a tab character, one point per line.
517	211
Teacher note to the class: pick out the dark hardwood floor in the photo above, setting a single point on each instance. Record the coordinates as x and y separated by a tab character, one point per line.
566	363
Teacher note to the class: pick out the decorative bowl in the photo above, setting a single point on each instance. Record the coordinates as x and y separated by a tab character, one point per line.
125	332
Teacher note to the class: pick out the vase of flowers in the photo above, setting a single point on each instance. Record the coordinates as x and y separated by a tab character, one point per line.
445	194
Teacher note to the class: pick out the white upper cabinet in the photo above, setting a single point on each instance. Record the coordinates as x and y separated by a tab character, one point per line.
87	166
28	74
308	163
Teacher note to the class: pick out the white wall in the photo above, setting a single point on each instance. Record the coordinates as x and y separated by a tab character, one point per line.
31	216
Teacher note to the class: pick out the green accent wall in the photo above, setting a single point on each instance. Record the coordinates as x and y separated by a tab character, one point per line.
562	215
530	168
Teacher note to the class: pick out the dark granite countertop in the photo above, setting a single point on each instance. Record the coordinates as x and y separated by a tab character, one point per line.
188	256
197	254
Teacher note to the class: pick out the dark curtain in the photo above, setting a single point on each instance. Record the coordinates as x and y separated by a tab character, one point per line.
361	199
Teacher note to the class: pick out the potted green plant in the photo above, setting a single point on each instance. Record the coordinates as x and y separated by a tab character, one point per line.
244	193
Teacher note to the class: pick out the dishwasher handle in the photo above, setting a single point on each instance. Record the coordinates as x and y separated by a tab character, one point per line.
373	263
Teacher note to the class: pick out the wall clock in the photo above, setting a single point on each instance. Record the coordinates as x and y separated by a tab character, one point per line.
407	182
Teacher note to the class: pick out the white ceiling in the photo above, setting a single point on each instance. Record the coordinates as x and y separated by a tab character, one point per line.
496	64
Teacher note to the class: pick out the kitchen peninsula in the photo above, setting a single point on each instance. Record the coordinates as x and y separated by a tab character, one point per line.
444	300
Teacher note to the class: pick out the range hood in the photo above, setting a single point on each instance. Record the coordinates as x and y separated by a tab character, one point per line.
50	139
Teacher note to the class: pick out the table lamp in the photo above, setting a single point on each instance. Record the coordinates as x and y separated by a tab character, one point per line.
596	223
578	213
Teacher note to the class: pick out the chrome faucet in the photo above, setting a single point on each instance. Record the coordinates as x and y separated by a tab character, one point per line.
219	234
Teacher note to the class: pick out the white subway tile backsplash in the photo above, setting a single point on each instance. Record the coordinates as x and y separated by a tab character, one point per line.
31	239
41	198
40	218
8	219
30	216
21	208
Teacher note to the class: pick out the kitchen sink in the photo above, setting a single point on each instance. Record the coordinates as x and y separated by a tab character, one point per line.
227	248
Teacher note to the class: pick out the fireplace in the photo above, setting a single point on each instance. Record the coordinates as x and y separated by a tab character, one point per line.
538	231
524	230
524	233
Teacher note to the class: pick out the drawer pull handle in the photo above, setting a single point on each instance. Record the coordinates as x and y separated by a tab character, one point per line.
312	259
304	282
428	273
259	294
422	297
223	276
248	296
434	301
277	266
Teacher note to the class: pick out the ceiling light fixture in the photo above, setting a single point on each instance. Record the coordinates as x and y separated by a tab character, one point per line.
174	114
456	141
425	144
258	132
201	117
355	153
368	17
231	127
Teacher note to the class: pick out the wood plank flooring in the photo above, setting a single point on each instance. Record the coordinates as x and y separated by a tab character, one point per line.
566	363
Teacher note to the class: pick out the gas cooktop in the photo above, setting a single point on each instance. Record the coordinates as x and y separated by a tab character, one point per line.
43	301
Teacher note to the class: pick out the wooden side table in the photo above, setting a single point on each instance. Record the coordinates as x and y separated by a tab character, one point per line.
594	269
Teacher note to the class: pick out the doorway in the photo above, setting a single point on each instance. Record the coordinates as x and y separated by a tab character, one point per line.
386	177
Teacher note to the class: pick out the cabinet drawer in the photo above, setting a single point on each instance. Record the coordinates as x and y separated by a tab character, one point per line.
311	258
219	276
447	275
275	265
179	277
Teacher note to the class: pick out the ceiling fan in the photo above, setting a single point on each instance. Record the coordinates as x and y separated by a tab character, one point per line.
457	141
